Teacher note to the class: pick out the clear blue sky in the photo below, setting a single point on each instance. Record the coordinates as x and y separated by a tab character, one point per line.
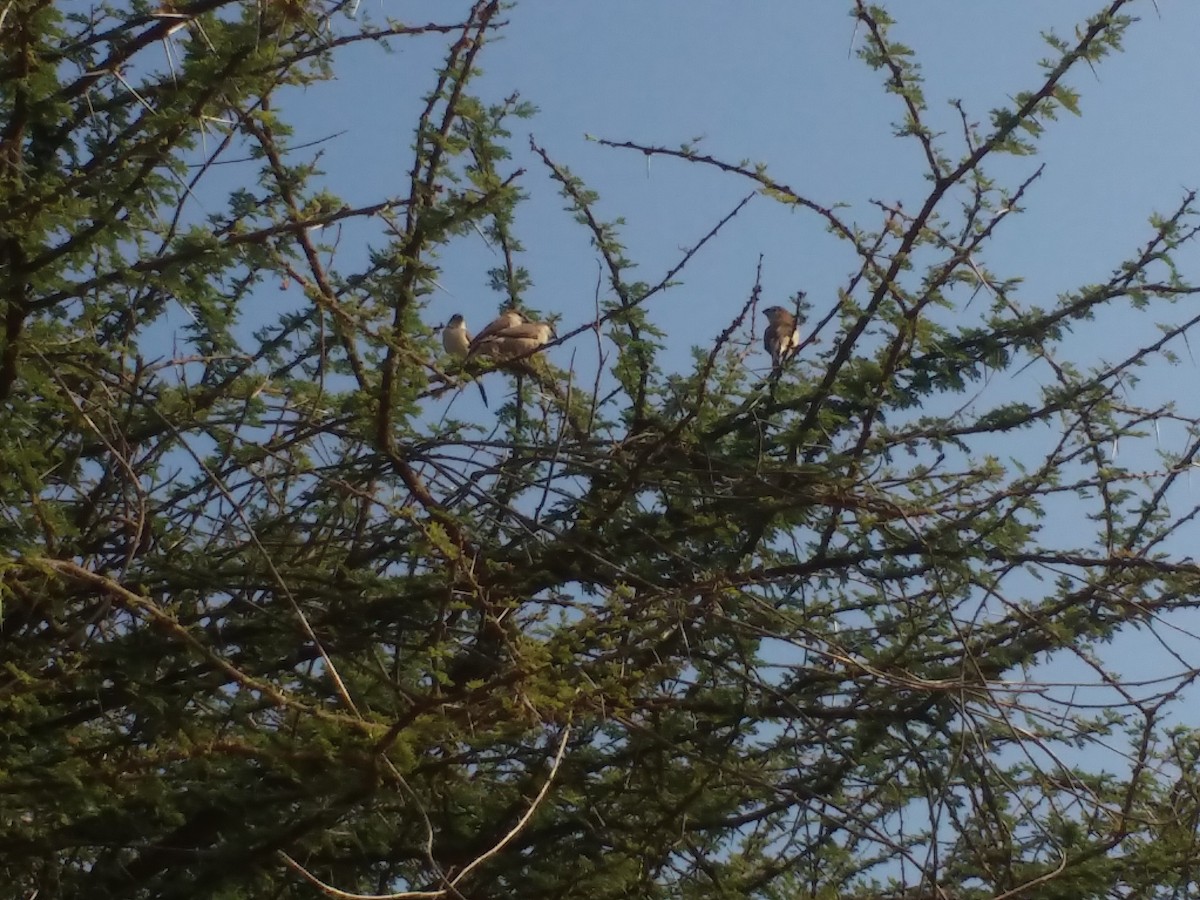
775	82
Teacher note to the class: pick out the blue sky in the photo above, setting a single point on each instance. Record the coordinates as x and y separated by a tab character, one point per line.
776	82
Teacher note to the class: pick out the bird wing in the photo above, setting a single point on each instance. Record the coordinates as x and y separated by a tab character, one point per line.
508	319
781	340
516	340
533	330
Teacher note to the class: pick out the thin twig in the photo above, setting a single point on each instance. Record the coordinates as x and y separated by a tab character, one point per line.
451	886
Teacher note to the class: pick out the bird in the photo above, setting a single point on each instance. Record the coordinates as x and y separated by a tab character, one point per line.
457	341
512	341
455	337
506	319
782	337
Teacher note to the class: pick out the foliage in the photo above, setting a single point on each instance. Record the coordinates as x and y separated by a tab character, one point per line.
274	619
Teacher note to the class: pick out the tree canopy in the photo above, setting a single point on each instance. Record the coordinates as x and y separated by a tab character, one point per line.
285	613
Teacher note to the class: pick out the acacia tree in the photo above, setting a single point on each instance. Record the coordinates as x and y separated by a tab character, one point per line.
277	624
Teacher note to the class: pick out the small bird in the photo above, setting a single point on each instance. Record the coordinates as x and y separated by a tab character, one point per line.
506	319
457	341
782	337
455	337
512	341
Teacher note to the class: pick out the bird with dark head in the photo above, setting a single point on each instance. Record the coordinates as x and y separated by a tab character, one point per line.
782	337
457	341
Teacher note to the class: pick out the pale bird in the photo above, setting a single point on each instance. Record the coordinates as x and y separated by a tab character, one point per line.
457	341
782	337
512	341
455	337
507	319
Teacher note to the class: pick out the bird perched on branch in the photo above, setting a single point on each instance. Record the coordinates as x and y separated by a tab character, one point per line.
505	339
512	341
455	337
507	319
457	341
782	337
